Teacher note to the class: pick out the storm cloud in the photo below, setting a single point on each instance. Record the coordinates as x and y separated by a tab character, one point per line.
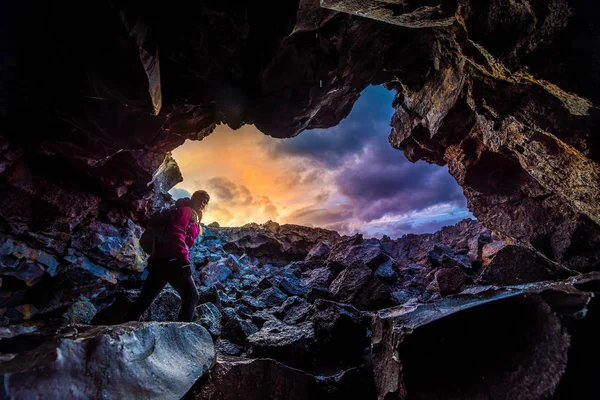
346	178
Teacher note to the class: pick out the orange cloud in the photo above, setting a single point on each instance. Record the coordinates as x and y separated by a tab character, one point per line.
246	183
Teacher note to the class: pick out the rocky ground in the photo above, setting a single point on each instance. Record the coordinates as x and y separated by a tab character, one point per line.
293	312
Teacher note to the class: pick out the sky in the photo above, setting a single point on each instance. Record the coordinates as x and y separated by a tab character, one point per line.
347	178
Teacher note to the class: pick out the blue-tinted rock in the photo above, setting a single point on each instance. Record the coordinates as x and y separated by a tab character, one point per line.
215	272
80	312
141	360
292	286
272	297
386	272
209	317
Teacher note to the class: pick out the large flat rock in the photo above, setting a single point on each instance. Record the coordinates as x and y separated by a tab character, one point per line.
131	361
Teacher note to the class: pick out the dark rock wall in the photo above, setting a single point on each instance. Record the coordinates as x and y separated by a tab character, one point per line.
93	97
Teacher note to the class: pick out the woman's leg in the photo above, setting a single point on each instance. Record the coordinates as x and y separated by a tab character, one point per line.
182	282
155	282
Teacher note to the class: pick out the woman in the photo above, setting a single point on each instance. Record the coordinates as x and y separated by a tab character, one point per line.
170	261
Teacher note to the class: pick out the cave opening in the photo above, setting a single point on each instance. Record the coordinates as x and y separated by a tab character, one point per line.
346	178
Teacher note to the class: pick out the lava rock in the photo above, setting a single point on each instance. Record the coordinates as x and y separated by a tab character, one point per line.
272	297
80	312
235	328
209	316
513	265
252	303
165	307
448	281
386	273
292	286
294	310
319	251
320	277
436	255
264	283
483	331
151	360
269	379
292	345
225	347
359	287
215	272
340	332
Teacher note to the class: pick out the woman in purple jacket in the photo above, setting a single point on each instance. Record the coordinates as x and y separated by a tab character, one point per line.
170	262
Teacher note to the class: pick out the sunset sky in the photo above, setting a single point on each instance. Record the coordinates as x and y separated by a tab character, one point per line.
347	178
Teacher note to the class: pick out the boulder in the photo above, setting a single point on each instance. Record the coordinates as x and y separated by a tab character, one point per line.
209	316
291	345
272	297
294	310
508	338
457	260
215	272
144	360
319	252
340	332
355	252
235	328
292	286
264	283
359	287
225	347
436	255
320	277
252	303
386	273
235	378
513	265
165	307
448	281
489	250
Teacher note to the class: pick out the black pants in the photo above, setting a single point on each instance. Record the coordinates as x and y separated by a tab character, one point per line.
161	272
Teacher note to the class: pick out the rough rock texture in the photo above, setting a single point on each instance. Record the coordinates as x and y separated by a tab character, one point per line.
474	90
503	92
141	360
486	333
266	379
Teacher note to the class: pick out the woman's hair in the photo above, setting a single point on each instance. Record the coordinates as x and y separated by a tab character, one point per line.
200	196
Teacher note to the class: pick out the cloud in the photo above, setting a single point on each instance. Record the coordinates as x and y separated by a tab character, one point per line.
346	178
235	203
332	147
179	193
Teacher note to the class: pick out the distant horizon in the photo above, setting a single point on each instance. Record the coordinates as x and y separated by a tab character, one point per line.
320	227
346	178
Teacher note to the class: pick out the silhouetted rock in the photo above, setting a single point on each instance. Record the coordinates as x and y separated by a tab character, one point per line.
513	265
165	307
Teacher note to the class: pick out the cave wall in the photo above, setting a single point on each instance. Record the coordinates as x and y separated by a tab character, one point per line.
94	96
